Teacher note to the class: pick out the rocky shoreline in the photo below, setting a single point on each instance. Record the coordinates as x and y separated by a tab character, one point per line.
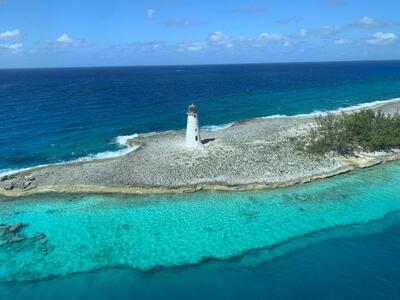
250	155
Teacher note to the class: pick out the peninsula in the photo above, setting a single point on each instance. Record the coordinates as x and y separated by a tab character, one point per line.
253	154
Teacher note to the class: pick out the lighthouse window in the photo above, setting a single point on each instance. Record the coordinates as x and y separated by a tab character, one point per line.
195	129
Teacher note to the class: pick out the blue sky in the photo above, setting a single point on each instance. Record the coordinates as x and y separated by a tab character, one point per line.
55	33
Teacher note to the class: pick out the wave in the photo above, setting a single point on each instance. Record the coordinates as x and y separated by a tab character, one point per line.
334	111
121	141
211	128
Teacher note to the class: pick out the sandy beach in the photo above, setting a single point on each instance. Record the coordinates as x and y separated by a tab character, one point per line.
253	154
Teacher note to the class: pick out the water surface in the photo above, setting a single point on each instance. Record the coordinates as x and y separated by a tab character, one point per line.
146	236
57	115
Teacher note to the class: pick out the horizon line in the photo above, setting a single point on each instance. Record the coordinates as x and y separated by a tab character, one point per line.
200	64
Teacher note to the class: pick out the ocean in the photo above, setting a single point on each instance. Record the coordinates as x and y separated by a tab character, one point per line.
58	115
337	238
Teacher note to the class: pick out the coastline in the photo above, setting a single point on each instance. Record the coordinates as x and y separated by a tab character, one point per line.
142	190
246	155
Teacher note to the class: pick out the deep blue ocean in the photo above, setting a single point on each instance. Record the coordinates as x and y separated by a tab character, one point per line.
57	115
343	242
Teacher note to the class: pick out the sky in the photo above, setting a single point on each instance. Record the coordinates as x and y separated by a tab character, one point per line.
74	33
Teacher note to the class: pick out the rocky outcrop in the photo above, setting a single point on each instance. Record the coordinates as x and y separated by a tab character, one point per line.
7	177
6	229
11	234
366	160
13	182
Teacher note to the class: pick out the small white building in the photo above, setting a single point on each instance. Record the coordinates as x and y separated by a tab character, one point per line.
193	139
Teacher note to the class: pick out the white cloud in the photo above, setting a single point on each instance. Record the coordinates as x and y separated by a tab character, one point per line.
271	37
151	14
15	47
10	34
216	40
303	32
382	39
148	47
192	46
217	36
64	39
367	22
328	31
342	42
195	47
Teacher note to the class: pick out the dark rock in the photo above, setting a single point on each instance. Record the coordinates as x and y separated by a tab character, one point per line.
15	228
10	186
7	177
31	186
16	239
125	226
26	184
39	236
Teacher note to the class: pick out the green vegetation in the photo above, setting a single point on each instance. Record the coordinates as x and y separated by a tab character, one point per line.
364	130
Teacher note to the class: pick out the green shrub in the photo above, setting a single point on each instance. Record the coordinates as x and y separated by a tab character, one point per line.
363	130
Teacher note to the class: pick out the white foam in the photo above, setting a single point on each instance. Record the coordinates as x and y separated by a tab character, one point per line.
11	171
339	110
274	116
210	128
122	141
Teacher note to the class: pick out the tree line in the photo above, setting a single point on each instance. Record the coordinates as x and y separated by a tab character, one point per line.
345	133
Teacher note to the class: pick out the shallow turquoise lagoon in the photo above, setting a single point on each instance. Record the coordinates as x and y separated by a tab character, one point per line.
146	233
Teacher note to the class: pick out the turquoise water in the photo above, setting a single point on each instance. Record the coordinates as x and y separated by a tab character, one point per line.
155	233
333	239
354	262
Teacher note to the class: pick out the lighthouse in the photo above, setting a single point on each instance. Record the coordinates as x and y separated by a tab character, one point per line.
192	129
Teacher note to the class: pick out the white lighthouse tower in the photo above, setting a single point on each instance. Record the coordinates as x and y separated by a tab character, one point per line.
192	130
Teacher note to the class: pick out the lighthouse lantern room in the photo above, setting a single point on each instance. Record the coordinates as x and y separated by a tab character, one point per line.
192	130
